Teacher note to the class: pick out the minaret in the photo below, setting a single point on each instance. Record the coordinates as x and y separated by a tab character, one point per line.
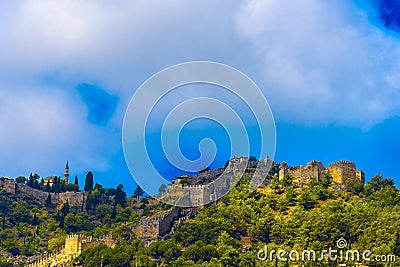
66	173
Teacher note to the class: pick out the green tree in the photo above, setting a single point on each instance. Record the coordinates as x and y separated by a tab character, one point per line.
355	186
4	263
282	203
313	182
31	181
291	196
21	212
48	201
307	199
287	180
275	183
65	209
123	214
321	192
162	189
377	183
138	193
103	211
76	180
35	220
327	179
47	188
120	196
73	223
72	187
89	181
20	179
55	243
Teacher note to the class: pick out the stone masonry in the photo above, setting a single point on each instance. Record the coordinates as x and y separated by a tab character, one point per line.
12	187
74	245
341	171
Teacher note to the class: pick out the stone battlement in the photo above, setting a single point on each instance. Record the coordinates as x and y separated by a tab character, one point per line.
194	186
340	171
342	164
74	245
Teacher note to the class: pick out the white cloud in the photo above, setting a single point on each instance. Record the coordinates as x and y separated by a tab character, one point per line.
317	61
322	61
41	129
48	47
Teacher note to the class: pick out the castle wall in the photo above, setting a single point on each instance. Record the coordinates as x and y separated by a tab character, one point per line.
73	198
8	185
336	175
35	193
74	244
302	175
199	195
342	170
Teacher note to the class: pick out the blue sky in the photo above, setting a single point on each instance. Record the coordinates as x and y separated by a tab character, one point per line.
330	71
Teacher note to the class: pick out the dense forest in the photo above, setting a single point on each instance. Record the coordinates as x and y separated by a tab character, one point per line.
229	232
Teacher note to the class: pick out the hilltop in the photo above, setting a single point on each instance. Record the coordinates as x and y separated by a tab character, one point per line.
286	212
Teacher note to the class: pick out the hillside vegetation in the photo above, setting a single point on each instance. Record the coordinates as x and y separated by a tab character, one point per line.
229	232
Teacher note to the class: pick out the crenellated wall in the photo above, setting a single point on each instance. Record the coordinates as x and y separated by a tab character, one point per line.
74	245
341	171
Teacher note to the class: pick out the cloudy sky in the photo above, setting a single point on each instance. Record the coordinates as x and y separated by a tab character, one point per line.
330	71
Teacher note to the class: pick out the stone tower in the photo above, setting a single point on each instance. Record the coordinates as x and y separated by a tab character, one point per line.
343	170
66	173
73	246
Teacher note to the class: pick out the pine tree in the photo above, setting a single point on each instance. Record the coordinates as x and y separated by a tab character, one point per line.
65	208
138	192
162	189
48	200
275	183
327	180
89	181
76	180
35	220
120	196
287	179
47	189
30	181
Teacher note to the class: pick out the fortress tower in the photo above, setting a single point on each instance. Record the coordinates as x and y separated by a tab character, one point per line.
66	173
73	246
343	170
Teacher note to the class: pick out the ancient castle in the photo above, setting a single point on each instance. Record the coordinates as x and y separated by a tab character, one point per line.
340	171
205	187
